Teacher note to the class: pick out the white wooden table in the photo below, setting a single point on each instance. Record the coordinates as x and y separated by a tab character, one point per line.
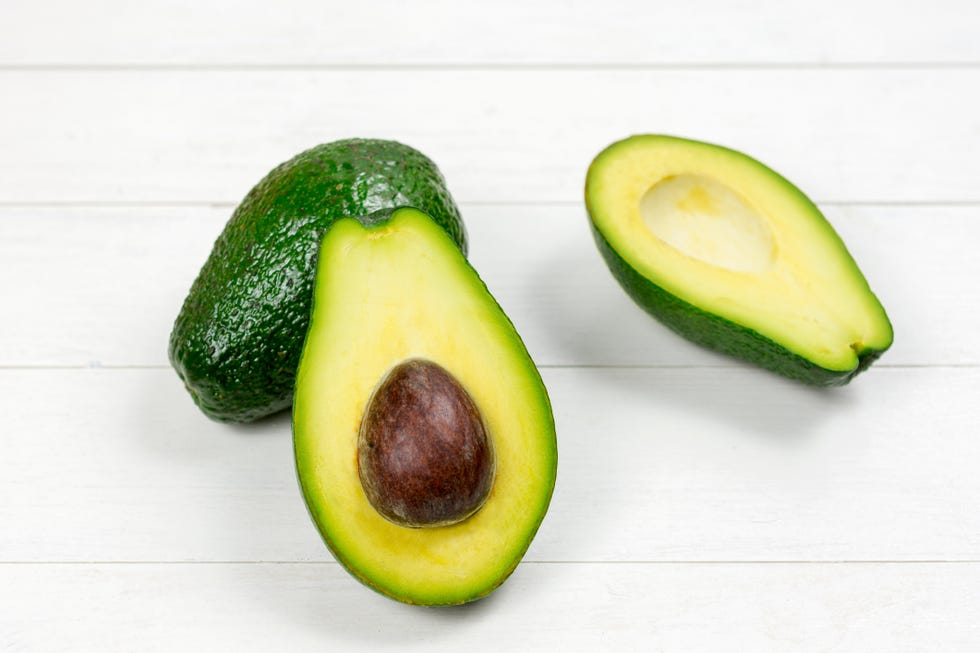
701	504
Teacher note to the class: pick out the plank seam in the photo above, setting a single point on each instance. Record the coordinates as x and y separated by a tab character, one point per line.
734	365
926	561
487	66
229	204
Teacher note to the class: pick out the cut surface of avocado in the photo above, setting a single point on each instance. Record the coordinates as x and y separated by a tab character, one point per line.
708	221
399	320
731	255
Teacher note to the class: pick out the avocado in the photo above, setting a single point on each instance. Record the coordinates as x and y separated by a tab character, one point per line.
237	340
731	255
423	434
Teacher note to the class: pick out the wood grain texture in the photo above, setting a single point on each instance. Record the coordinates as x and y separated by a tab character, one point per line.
443	32
891	135
701	504
102	285
598	607
655	465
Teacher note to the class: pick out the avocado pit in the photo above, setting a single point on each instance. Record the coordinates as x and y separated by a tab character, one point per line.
424	455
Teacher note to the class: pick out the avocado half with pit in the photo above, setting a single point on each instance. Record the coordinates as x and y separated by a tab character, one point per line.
726	252
423	434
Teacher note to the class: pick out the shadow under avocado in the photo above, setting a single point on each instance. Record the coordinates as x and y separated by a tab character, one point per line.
280	424
596	325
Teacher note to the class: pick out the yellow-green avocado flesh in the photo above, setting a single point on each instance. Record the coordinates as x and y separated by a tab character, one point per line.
731	255
391	288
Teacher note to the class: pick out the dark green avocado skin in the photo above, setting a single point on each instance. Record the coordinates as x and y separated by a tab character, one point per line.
717	333
237	341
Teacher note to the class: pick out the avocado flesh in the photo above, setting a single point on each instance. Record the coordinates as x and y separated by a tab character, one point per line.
394	290
237	340
731	255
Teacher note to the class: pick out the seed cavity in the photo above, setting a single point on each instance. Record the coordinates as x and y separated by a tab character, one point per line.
709	221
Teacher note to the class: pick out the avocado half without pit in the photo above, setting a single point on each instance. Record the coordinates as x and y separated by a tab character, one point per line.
731	255
424	438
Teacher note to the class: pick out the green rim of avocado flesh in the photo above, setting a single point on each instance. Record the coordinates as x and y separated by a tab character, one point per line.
392	294
729	254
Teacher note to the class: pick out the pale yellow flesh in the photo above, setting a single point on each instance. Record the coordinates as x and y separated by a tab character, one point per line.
733	238
708	221
391	295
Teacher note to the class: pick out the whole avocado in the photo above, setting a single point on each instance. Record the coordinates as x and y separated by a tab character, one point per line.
237	340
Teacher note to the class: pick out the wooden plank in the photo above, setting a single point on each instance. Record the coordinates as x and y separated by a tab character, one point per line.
102	285
305	32
315	607
499	135
655	464
701	504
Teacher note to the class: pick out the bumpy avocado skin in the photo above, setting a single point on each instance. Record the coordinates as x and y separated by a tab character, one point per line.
237	340
717	333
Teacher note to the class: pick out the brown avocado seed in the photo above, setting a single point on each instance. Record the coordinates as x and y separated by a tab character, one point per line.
423	453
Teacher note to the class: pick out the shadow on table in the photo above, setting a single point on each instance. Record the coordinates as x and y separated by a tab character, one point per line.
324	601
250	518
596	326
608	396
